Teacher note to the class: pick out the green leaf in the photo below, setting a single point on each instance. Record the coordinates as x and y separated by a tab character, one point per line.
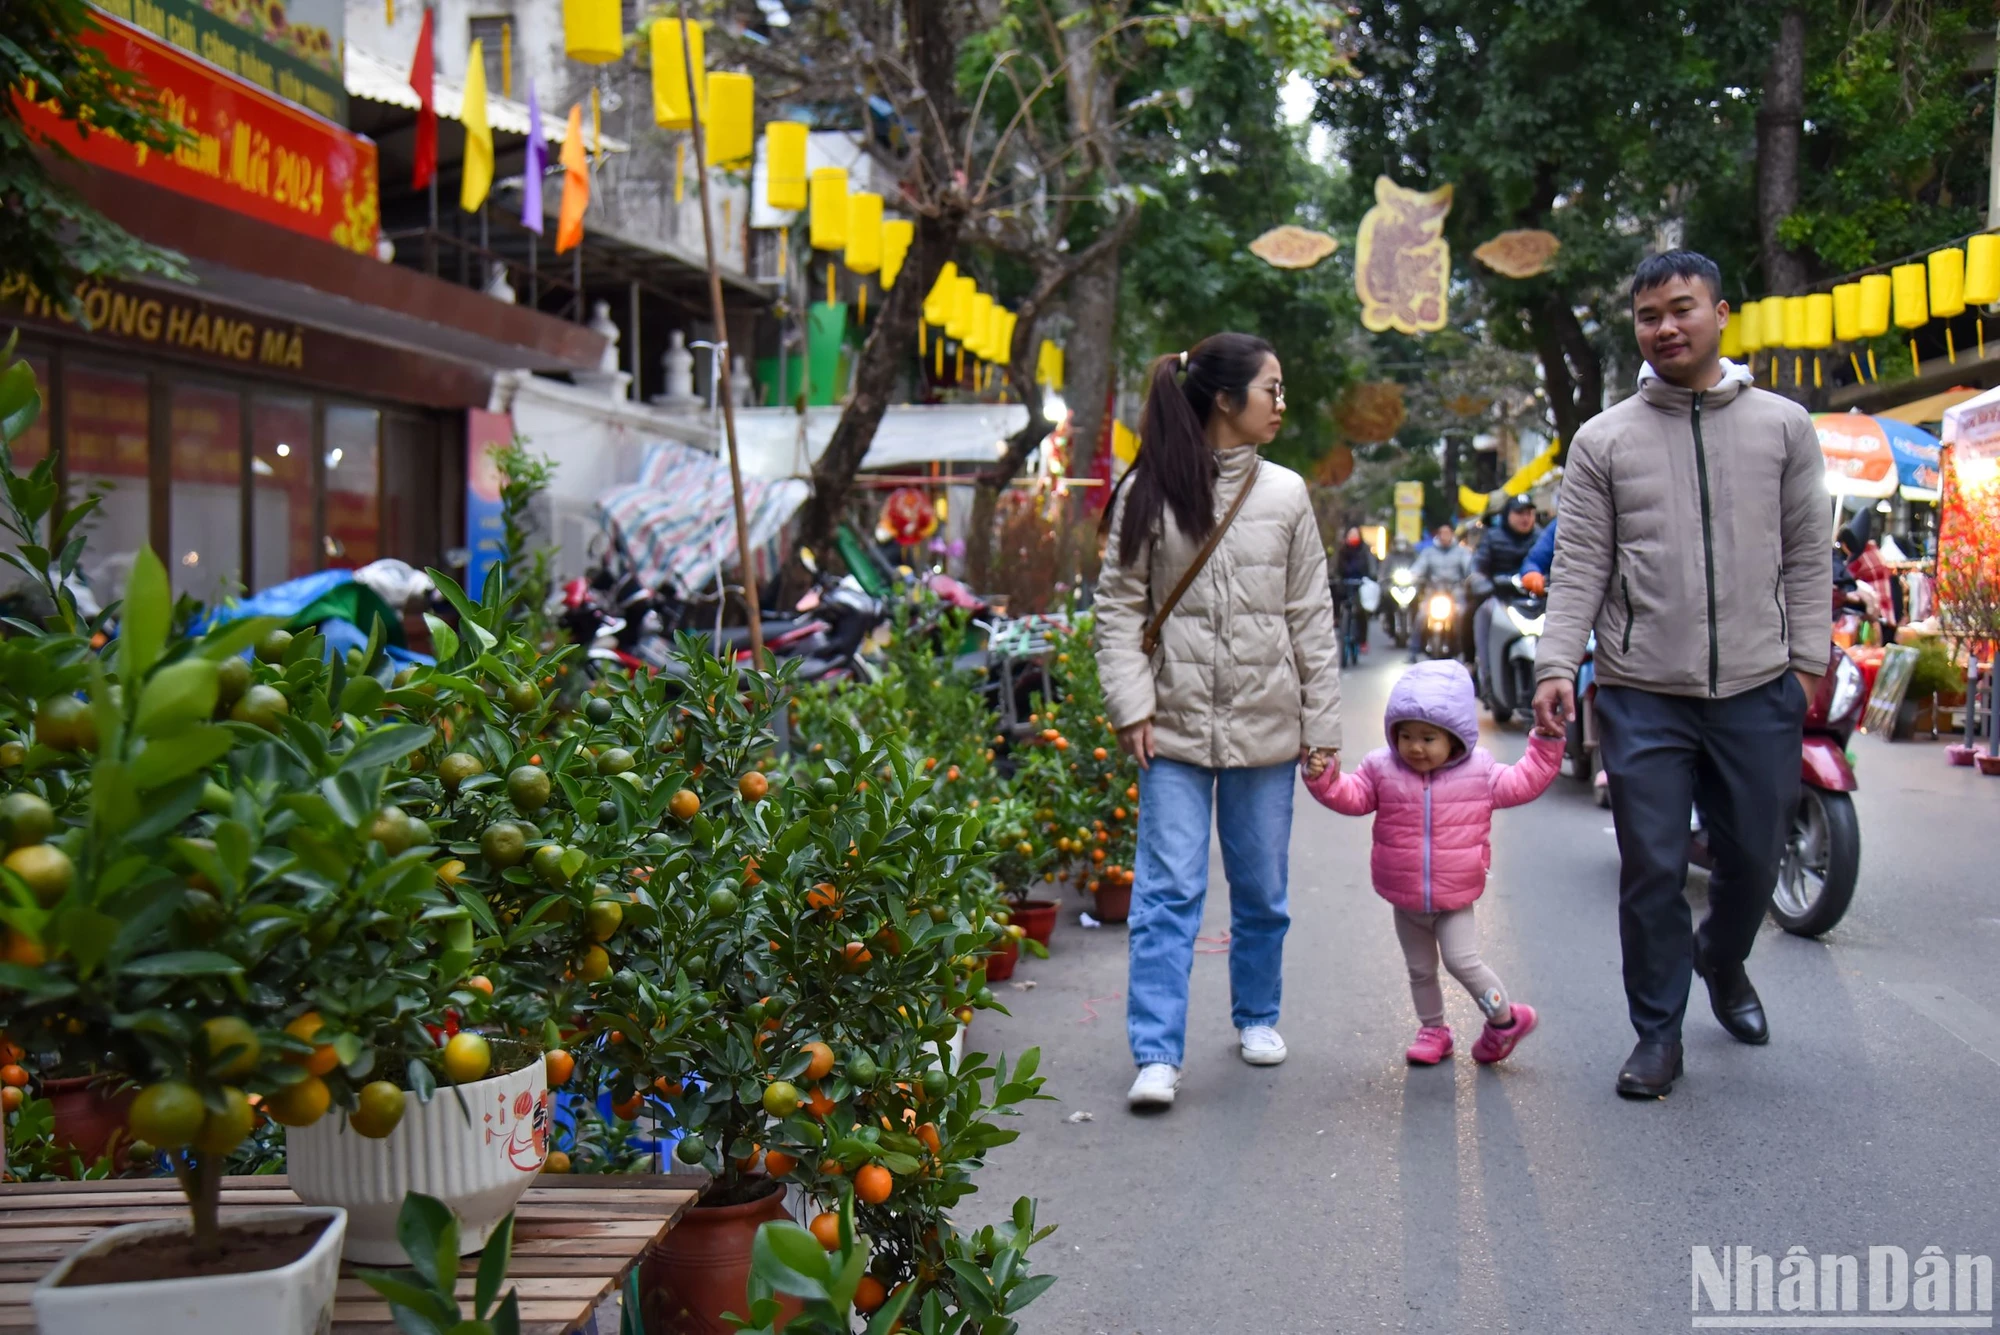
420	1302
423	1225
182	963
169	758
34	983
444	640
791	1260
493	1266
175	696
89	936
149	605
232	639
386	745
20	402
167	809
1027	1291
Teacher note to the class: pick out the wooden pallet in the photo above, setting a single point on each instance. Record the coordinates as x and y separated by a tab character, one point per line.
574	1240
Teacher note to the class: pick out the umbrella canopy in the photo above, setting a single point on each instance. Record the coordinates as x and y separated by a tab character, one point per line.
1859	459
1916	452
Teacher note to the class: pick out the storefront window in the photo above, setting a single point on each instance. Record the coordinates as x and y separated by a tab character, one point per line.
32	448
353	516
281	518
105	416
206	525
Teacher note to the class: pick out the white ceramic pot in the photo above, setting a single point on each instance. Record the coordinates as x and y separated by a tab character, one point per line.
477	1156
292	1300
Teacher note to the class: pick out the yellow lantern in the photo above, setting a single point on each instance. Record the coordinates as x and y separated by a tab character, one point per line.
1732	337
1003	350
1982	270
937	305
1774	322
897	233
1750	323
958	314
864	231
979	323
732	118
785	165
593	33
1049	366
1847	312
670	81
1875	302
1819	321
1947	275
1795	322
1912	306
829	208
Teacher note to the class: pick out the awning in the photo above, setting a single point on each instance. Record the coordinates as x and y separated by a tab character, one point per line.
1930	408
380	80
909	434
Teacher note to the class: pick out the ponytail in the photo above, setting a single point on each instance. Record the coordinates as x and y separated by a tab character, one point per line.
1175	469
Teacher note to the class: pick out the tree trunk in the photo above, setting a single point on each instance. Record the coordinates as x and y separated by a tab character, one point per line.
1572	373
1090	362
1780	125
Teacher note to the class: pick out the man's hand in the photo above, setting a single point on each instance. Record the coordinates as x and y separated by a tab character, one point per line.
1811	685
1137	742
1555	704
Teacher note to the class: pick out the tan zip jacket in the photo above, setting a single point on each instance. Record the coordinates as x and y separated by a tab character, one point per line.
1694	537
1247	670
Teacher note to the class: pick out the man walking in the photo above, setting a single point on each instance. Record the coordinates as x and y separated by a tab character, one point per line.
1694	540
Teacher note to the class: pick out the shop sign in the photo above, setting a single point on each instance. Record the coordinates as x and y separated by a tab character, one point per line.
485	531
247	151
290	50
166	323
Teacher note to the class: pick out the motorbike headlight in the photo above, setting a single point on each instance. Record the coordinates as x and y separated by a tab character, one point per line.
1404	594
1526	625
1440	607
1402	577
1848	684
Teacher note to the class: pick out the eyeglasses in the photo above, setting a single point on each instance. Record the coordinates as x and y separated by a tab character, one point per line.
1276	389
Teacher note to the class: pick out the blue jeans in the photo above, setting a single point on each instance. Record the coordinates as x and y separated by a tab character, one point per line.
1253	812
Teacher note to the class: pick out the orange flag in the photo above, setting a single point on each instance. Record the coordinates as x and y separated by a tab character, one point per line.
576	184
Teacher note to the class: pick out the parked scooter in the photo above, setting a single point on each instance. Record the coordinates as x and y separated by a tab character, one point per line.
1822	857
1582	743
1507	677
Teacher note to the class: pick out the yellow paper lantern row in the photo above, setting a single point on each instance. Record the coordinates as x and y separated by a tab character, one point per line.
732	119
1939	287
864	231
897	234
829	208
593	31
671	110
785	165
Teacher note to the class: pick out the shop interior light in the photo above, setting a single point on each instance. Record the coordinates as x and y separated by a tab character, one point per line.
284	450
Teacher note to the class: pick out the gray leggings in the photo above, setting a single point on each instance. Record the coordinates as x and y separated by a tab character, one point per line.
1424	936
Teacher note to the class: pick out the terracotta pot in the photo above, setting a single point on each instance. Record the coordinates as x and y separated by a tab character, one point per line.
1000	964
702	1269
90	1116
1114	903
1989	764
1037	918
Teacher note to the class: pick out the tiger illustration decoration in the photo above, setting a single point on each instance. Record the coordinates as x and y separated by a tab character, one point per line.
1402	267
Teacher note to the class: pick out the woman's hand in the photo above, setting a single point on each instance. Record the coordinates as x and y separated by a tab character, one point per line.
1137	742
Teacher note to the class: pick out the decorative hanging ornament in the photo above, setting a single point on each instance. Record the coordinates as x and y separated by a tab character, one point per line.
1982	270
671	110
1291	247
1049	366
732	119
958	314
908	516
864	231
1749	324
897	234
1519	254
937	304
785	165
829	208
1402	267
593	31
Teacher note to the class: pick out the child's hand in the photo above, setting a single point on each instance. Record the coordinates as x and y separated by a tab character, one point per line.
1316	761
1555	734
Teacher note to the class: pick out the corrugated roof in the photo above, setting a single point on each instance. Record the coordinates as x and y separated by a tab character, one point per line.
377	79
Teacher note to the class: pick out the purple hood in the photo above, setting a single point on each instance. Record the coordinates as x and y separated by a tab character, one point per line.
1436	692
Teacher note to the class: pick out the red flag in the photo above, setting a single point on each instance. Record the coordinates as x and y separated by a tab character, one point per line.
421	72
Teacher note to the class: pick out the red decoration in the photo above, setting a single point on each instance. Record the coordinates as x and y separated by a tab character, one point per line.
909	516
421	82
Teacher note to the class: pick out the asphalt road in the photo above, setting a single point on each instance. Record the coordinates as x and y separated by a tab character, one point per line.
1346	1191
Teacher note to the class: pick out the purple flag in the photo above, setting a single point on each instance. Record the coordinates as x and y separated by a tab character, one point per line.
538	161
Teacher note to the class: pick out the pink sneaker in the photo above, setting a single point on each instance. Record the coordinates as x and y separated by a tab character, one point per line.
1433	1045
1495	1044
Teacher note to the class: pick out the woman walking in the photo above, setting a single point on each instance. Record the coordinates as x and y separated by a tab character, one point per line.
1215	643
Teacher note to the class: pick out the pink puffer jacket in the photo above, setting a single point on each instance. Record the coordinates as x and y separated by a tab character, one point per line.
1433	832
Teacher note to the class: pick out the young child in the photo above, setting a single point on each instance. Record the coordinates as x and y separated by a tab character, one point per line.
1433	790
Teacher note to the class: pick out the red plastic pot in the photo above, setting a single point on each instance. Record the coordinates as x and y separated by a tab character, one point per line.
1114	902
1989	764
1037	918
90	1116
1000	964
702	1268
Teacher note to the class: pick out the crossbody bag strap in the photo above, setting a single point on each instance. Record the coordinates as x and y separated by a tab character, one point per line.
1151	639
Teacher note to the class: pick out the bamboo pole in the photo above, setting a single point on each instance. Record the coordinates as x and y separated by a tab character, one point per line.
720	359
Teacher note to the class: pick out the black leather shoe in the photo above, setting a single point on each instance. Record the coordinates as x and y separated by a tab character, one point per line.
1650	1072
1735	1003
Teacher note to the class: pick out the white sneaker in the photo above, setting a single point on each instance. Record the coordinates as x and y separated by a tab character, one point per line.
1260	1045
1155	1086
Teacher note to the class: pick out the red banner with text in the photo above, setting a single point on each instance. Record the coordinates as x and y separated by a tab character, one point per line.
247	151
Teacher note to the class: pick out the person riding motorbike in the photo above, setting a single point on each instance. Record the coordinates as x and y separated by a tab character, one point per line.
1505	547
1535	565
1354	562
1444	565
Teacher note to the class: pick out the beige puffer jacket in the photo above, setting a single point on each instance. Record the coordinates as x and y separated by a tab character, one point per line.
1247	671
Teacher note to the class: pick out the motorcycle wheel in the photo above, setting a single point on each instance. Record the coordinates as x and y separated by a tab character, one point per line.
1821	861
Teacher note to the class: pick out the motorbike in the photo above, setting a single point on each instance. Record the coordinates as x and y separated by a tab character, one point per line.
1400	617
1822	857
1507	677
1582	744
1443	615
